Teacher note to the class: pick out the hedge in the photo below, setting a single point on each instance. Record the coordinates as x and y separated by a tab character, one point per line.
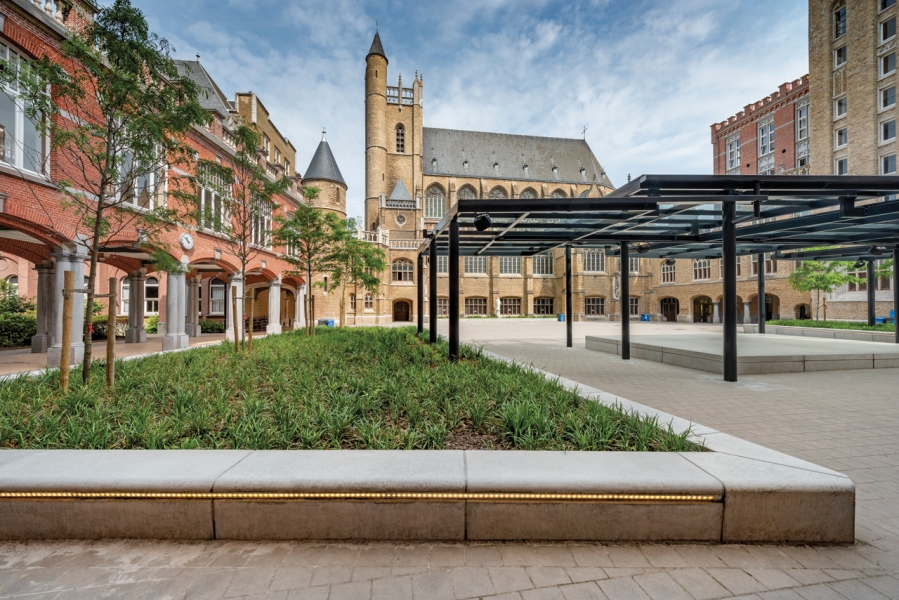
16	329
208	326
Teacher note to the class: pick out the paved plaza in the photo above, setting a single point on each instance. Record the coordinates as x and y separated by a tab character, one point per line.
844	420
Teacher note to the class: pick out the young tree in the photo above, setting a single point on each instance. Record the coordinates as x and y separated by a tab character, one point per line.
821	276
356	265
241	206
117	114
312	237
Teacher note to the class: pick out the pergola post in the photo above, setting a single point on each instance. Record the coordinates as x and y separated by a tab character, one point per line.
454	290
421	293
432	292
729	256
568	310
761	294
624	268
896	291
871	289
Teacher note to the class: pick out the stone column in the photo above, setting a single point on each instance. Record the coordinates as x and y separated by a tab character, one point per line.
175	337
46	303
716	318
274	306
193	304
746	318
68	259
235	311
136	334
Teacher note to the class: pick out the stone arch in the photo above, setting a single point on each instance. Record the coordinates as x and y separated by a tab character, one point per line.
528	193
466	192
498	193
558	193
701	308
402	310
669	307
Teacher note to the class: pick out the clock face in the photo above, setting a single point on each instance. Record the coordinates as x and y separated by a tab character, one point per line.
187	241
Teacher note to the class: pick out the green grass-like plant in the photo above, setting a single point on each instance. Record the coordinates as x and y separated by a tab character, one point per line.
833	324
374	388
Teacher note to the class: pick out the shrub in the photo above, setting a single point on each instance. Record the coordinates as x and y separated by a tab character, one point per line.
101	327
861	326
10	300
151	324
16	329
209	326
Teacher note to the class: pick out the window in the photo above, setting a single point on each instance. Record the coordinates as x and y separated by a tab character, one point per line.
881	283
668	272
442	264
400	139
888	63
21	143
721	268
466	193
595	261
885	4
435	202
261	222
888	164
143	185
442	306
543	264
352	302
13	280
594	306
528	194
151	295
839	57
476	306
266	143
369	302
770	264
476	265
277	156
286	167
213	205
702	269
543	306
125	295
634	305
840	106
842	166
217	297
841	137
733	154
401	270
839	22
888	130
766	137
510	265
498	193
888	29
888	97
510	306
634	264
557	193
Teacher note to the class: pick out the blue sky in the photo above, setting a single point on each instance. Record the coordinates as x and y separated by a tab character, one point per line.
646	77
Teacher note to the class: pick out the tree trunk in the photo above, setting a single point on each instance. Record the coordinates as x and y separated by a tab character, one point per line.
309	324
342	306
89	300
234	318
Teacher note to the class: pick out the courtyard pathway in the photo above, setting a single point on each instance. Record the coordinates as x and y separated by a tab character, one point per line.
845	420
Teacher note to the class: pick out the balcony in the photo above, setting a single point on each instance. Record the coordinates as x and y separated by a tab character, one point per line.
398	95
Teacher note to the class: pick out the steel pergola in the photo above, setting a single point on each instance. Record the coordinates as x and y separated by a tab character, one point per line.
675	216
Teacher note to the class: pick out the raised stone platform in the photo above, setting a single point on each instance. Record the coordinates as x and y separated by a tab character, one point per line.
757	354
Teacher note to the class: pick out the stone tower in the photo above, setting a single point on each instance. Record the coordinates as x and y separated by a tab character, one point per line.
393	149
324	174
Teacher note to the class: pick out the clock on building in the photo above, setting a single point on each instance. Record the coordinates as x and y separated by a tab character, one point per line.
187	241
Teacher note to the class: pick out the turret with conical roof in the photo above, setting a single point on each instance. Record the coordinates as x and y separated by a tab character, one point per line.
376	48
375	129
324	174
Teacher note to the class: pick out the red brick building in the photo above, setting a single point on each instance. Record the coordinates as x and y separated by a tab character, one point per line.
39	238
767	137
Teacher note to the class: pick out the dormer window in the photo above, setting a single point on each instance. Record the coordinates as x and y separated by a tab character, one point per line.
583	173
465	165
434	163
495	166
525	169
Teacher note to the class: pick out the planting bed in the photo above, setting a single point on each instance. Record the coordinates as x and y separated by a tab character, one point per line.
362	388
853	325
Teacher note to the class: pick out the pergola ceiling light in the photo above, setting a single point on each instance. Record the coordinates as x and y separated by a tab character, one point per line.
482	222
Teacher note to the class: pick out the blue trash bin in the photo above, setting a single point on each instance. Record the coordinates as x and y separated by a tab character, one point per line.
644	317
561	317
327	322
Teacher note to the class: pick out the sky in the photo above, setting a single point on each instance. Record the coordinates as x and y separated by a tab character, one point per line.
646	78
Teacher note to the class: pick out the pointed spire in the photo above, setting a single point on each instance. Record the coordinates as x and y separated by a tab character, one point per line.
323	164
376	47
324	135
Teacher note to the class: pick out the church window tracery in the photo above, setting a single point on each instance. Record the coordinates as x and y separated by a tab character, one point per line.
435	202
400	139
528	194
498	193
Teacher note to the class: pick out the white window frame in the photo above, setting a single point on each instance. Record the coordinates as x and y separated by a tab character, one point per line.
883	166
841	137
261	226
841	163
633	265
766	136
475	265
770	264
633	304
217	305
669	272
442	264
844	51
402	271
881	97
510	265
881	29
702	269
435	207
214	214
594	261
885	4
837	105
733	154
544	264
836	22
881	125
883	64
16	136
125	295
151	305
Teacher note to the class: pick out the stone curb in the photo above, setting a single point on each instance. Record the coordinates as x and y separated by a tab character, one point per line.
739	492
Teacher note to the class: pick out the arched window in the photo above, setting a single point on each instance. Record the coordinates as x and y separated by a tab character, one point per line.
498	193
13	281
435	202
353	302
217	297
702	269
151	294
528	194
402	270
125	296
543	263
467	193
668	271
558	194
400	138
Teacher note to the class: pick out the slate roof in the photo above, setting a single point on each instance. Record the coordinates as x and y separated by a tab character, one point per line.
211	97
400	192
323	165
377	48
452	148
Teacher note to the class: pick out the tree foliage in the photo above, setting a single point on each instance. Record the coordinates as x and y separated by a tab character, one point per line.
116	114
821	276
357	265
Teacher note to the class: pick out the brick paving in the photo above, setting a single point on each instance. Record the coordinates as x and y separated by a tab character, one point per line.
845	420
